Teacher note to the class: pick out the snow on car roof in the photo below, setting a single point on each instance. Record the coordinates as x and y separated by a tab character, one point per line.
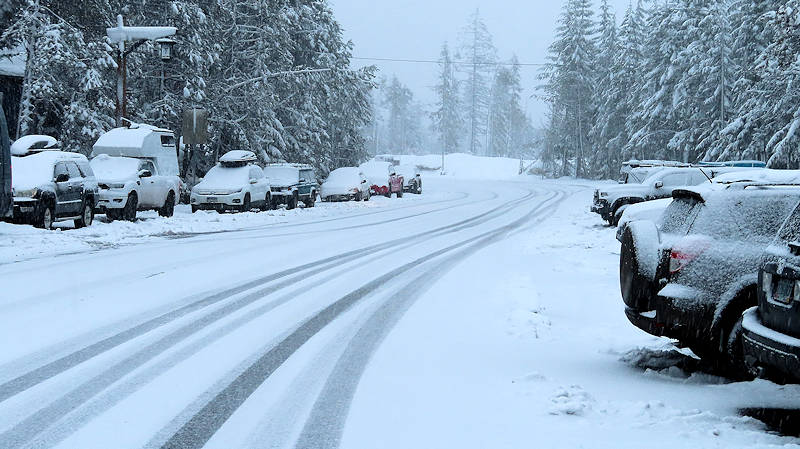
765	175
344	173
25	144
225	177
238	156
128	137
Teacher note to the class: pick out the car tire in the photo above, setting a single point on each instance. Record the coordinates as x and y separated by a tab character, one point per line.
636	288
312	199
267	203
246	206
195	208
169	205
129	211
291	203
46	218
359	196
400	194
87	216
113	214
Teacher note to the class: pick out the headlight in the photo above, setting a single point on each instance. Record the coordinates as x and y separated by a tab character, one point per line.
118	185
603	194
228	192
31	193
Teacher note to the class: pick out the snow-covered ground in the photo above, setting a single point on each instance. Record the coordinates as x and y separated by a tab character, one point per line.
478	315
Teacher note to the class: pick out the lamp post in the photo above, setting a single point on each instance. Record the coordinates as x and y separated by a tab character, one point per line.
139	35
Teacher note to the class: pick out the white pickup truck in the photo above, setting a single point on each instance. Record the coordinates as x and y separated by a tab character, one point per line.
137	169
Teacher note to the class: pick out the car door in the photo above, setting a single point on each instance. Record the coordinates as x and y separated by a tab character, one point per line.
75	187
149	194
671	182
306	181
258	190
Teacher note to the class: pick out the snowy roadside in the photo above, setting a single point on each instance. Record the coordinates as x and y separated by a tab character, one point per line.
536	351
24	242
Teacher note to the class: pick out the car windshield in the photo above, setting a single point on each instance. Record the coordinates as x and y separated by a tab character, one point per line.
107	168
226	177
282	176
347	175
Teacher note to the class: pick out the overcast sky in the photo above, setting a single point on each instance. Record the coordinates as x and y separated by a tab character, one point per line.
416	29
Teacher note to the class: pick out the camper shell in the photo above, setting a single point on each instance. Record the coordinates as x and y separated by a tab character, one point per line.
142	142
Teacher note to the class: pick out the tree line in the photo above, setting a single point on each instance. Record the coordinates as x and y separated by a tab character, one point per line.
274	75
686	80
477	109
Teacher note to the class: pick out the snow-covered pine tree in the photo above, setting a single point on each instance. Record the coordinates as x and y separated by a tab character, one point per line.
477	56
447	120
569	82
609	98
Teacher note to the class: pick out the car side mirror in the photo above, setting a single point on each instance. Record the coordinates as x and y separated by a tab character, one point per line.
659	184
302	179
145	173
63	177
363	181
254	181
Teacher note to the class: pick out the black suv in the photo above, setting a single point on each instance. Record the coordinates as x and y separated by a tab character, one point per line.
772	331
291	184
52	186
692	279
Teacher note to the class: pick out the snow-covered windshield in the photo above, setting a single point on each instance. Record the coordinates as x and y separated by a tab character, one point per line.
344	176
406	171
31	171
282	176
376	172
108	168
220	177
638	175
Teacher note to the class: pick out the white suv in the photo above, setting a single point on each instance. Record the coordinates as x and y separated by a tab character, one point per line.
129	184
236	183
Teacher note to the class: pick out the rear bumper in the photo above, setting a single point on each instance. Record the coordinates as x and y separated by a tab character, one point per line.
766	348
645	321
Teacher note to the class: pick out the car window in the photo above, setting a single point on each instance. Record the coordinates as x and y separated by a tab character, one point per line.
678	216
675	179
149	166
60	169
86	170
256	173
790	232
73	171
697	178
308	175
754	217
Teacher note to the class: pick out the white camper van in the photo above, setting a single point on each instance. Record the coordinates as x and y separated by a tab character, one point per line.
137	169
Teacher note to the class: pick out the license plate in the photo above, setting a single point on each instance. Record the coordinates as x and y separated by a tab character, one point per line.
783	291
26	209
212	199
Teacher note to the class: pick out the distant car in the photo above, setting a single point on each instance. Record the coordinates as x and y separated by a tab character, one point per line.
412	180
692	278
396	183
345	184
377	174
236	183
129	184
6	198
52	186
771	339
611	201
291	184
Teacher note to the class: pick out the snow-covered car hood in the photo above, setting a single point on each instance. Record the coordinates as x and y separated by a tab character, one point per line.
30	172
114	169
376	172
221	178
648	210
621	190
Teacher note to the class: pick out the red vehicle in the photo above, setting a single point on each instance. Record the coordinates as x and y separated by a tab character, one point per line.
396	183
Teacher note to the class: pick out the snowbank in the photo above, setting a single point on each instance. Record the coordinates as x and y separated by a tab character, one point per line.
464	166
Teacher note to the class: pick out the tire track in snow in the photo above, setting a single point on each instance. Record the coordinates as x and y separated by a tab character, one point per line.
34	424
205	423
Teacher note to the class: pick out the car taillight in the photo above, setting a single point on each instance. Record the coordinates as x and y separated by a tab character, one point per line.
683	253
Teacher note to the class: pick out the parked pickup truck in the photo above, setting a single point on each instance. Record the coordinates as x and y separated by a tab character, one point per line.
129	184
611	201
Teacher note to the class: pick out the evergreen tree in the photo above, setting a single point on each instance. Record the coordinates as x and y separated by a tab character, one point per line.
479	56
447	120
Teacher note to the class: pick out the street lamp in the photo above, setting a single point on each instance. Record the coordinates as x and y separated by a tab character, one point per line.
139	35
165	48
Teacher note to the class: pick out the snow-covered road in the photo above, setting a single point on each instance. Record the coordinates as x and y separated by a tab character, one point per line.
478	315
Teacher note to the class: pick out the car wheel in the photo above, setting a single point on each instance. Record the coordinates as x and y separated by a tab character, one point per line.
129	211
291	203
367	196
267	203
246	206
312	199
195	208
636	289
45	220
169	205
400	194
87	217
359	196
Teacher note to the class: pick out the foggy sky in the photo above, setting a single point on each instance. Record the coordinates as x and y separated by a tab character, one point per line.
416	29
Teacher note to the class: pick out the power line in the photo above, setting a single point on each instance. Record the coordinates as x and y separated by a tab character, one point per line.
431	61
